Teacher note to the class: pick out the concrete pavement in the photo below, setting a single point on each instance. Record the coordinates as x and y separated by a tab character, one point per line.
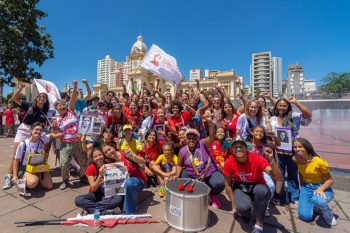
55	204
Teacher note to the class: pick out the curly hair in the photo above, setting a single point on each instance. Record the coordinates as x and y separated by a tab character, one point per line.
177	103
259	114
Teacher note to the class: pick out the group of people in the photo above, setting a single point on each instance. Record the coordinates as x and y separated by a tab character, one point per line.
251	150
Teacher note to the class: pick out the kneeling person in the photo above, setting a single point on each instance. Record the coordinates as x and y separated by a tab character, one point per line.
33	145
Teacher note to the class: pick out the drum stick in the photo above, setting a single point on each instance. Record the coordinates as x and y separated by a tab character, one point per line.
187	182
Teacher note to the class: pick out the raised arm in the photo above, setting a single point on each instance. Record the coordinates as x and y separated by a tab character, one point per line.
210	139
74	96
306	113
88	90
15	97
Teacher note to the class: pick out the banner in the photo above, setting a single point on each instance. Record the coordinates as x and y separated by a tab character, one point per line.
162	64
50	89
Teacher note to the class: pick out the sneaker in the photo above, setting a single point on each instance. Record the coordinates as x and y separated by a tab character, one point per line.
215	202
7	183
328	216
257	230
84	213
64	185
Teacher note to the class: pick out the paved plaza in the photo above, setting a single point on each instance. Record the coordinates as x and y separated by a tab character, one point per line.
54	204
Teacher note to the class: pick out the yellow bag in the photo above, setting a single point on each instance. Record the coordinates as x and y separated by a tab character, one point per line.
37	163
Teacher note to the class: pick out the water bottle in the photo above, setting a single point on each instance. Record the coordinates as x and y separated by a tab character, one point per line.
97	217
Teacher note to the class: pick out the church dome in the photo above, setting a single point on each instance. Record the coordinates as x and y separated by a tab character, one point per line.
139	46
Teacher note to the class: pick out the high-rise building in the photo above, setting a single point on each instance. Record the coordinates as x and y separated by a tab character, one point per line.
196	74
266	74
106	71
260	73
276	77
295	80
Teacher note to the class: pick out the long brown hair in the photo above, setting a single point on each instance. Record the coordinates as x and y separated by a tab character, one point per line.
259	114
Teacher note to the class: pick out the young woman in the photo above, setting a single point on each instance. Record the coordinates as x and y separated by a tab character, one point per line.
36	112
137	178
179	118
150	149
34	145
284	120
253	116
230	118
257	143
9	120
95	198
219	149
65	127
316	189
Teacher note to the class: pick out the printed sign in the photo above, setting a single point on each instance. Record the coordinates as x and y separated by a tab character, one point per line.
114	179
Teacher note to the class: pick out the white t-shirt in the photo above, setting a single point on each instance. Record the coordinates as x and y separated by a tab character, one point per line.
243	125
31	148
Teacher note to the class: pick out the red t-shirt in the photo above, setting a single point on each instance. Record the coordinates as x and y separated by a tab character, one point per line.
136	118
217	152
178	122
117	120
151	153
134	169
250	171
91	170
231	125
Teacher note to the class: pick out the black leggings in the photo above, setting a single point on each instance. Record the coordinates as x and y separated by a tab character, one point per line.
92	200
243	201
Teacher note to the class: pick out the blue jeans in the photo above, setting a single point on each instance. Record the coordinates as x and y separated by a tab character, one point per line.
291	193
133	186
307	202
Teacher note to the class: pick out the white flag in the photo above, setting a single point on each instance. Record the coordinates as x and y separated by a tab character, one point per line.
162	64
50	89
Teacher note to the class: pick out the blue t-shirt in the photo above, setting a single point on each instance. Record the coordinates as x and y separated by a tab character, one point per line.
80	104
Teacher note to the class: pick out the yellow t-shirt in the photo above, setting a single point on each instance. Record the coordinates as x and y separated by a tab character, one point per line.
135	145
163	160
314	171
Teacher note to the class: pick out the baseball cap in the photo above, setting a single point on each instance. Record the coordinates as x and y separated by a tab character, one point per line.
238	139
125	127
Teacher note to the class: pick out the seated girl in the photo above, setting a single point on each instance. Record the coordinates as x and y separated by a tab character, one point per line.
95	198
33	145
316	189
165	166
137	178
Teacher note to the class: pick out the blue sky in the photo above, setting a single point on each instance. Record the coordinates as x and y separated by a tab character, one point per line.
208	34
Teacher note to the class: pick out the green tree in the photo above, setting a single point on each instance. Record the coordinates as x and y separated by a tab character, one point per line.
257	91
336	82
23	42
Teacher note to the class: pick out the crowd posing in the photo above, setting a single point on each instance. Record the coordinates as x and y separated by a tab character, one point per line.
253	151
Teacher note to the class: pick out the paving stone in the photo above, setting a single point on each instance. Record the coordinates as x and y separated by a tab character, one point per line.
59	205
25	214
9	204
346	208
342	196
58	229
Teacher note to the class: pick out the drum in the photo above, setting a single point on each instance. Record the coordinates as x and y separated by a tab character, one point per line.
187	211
